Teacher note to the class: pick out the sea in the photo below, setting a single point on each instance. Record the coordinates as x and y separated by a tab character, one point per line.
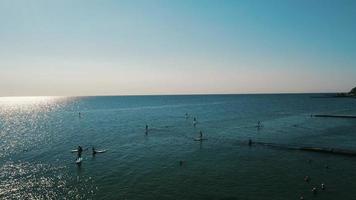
37	135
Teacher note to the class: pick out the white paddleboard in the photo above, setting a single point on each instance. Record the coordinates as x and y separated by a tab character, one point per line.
100	151
78	160
76	150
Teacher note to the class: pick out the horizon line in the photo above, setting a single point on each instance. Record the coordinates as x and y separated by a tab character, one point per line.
178	94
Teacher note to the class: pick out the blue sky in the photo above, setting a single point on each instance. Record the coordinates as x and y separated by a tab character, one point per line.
176	47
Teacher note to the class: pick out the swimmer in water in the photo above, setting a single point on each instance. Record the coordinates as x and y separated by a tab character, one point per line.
146	129
314	190
306	179
259	125
201	135
249	142
323	186
186	116
194	121
80	115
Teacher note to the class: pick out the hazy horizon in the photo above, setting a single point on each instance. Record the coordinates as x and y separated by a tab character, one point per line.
168	94
96	48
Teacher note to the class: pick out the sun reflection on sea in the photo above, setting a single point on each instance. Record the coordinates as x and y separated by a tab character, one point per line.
23	121
30	103
28	100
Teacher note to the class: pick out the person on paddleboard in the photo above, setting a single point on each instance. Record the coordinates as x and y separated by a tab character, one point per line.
80	150
94	151
201	135
194	121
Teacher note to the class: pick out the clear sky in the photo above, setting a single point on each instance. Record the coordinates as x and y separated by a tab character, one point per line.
103	47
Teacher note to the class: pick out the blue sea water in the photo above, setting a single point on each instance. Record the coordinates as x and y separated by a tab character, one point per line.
38	133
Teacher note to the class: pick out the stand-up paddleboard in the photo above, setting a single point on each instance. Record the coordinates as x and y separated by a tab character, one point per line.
76	150
200	139
78	160
100	151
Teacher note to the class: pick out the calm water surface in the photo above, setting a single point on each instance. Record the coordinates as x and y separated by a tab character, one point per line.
38	133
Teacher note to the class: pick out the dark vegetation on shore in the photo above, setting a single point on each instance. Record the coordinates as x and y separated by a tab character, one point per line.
352	93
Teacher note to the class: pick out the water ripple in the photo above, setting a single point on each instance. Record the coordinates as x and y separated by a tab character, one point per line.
26	180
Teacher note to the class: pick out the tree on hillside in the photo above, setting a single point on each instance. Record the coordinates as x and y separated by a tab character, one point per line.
353	91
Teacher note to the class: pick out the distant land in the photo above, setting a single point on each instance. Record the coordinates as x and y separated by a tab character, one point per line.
352	93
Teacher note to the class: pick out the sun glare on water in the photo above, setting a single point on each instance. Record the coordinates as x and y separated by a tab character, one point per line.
29	103
26	100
